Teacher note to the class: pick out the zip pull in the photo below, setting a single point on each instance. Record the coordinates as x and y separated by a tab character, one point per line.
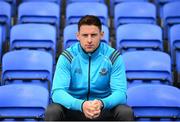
89	54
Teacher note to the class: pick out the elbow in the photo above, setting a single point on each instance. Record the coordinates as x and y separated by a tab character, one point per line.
123	98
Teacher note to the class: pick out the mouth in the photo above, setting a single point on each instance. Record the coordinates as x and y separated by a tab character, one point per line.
89	46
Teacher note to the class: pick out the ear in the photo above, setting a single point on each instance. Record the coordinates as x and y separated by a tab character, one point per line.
102	34
77	36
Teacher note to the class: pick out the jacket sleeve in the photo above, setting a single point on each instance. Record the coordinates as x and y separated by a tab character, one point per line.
61	83
118	84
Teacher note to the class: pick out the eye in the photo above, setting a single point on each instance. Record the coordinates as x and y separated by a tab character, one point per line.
85	35
93	35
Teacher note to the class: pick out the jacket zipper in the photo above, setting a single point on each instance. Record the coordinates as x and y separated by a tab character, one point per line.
89	69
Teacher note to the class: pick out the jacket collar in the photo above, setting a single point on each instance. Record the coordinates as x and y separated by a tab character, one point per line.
86	55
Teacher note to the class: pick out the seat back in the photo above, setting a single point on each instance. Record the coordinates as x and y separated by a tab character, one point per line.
175	44
48	13
55	1
13	4
74	11
170	16
134	12
174	39
5	13
70	35
34	36
23	102
5	18
27	67
145	67
72	1
113	3
154	102
160	4
136	37
1	42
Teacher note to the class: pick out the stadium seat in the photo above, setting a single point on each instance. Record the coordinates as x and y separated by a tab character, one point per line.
34	36
147	67
70	35
76	10
27	67
48	13
13	4
113	3
134	12
1	42
160	4
5	18
139	37
23	102
170	16
55	1
175	47
72	1
154	102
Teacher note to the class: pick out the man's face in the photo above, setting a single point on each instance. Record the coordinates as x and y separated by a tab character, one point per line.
89	37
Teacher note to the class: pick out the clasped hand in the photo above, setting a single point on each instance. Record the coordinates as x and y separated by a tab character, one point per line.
92	109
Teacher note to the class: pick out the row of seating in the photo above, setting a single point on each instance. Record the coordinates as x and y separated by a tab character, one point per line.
129	37
52	16
155	68
125	12
29	104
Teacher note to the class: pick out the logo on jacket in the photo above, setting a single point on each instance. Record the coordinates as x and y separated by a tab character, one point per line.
103	71
78	71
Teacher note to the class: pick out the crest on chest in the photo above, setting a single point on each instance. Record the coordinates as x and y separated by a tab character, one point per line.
78	71
103	71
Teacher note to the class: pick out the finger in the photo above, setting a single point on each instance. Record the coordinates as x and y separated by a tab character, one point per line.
96	112
95	116
90	113
87	116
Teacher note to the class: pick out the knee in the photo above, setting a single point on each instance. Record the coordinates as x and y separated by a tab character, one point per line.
54	112
123	112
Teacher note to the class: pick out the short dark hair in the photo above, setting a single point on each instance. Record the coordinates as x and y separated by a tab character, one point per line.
90	20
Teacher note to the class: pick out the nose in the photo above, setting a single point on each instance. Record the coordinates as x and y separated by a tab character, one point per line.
89	39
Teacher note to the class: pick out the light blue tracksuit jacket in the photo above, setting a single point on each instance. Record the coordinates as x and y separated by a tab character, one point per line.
80	76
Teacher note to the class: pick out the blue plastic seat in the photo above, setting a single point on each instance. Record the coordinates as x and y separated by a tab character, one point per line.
160	4
23	102
170	16
175	48
136	37
34	36
147	67
5	18
72	1
1	42
13	4
40	12
113	3
76	10
27	67
70	35
154	102
134	12
55	1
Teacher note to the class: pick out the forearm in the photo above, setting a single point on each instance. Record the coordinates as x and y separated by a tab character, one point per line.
65	99
114	99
